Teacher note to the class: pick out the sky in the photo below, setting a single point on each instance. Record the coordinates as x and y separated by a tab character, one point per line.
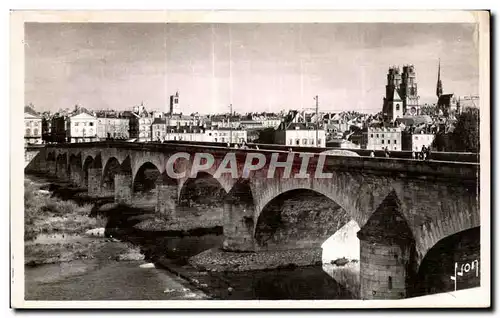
254	67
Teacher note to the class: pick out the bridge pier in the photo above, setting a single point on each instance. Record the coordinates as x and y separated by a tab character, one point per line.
166	195
238	227
62	173
123	188
76	177
51	168
387	253
94	186
383	270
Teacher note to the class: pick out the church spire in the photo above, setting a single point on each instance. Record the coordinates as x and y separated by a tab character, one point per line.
439	86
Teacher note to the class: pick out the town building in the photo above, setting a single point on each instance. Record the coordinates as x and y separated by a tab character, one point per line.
59	126
32	126
185	133
379	138
225	135
82	127
301	134
182	120
161	131
112	126
158	129
415	139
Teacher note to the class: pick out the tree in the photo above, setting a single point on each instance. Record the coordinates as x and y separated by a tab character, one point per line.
465	137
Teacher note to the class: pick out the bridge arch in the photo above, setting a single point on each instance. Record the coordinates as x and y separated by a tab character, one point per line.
298	218
204	187
323	187
438	265
111	168
146	177
51	156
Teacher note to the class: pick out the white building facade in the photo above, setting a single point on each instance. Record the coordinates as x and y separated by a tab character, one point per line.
82	128
420	140
32	127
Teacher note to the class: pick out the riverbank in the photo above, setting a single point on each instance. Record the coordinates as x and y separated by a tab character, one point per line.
68	256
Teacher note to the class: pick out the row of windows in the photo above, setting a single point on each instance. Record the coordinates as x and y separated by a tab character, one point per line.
32	123
388	141
424	137
304	141
84	123
377	135
35	132
91	131
224	140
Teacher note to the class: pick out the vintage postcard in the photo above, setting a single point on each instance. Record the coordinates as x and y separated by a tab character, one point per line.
239	159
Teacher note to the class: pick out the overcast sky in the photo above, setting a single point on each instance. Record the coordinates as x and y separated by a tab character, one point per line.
256	67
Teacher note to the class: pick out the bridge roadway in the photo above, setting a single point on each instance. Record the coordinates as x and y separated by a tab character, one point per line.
404	207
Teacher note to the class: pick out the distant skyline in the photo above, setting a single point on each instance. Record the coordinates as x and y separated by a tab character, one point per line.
256	67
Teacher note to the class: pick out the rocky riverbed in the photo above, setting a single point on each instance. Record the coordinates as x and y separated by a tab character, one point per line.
75	247
68	257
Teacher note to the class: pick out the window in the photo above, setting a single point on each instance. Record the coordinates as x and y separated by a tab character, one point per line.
416	137
304	141
311	141
397	106
382	141
91	124
28	131
290	142
395	141
76	124
35	132
371	136
377	135
84	124
388	141
210	134
222	139
319	141
297	142
215	139
382	135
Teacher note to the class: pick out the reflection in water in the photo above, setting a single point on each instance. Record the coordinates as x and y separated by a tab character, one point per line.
166	249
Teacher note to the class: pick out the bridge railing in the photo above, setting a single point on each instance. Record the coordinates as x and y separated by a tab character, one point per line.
461	171
435	155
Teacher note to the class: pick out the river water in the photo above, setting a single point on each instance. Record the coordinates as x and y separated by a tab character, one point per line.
172	277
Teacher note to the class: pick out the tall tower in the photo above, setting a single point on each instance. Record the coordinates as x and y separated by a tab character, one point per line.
393	104
439	85
175	108
408	91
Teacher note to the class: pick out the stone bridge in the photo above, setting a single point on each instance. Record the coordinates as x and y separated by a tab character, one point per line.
403	207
